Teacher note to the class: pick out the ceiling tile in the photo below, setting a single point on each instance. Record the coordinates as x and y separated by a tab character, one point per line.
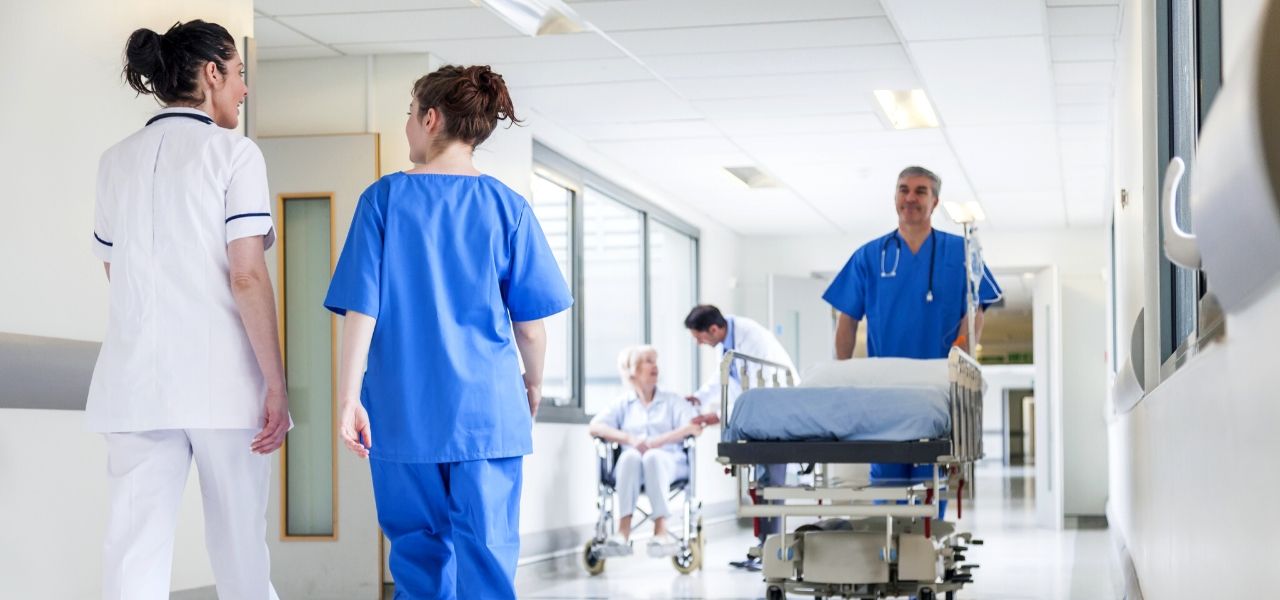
569	72
578	46
1003	80
789	125
402	26
1077	154
267	32
1084	113
773	62
295	52
951	20
1085	132
1083	47
606	103
1082	2
1027	209
1087	196
1082	94
643	130
613	16
793	106
775	36
832	86
1008	157
320	7
1083	73
1084	20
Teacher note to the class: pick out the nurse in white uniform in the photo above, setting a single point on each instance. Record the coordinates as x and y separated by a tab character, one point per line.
190	367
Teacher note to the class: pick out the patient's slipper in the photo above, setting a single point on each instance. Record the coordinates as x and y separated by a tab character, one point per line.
660	549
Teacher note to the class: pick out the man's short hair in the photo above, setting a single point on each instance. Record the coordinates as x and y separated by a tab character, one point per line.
915	171
703	316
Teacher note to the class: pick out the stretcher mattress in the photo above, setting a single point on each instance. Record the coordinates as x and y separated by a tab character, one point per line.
897	413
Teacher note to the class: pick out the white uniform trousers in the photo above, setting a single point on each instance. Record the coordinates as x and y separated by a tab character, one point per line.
657	469
147	472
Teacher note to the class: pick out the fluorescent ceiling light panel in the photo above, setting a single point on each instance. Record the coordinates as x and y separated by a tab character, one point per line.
965	212
751	177
906	109
536	17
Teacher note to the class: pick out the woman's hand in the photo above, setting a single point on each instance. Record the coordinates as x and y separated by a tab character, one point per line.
353	428
641	445
535	399
276	425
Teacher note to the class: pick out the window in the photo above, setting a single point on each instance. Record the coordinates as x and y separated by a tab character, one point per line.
633	269
1189	74
673	264
553	205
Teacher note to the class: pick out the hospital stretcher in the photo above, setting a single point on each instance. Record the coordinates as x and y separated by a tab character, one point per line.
872	541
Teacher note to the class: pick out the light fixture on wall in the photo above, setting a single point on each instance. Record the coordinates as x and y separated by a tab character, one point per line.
969	211
536	17
906	109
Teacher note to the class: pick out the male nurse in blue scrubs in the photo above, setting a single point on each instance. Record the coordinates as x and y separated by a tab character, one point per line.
910	286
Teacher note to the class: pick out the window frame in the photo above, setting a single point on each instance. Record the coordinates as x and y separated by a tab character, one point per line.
1188	41
552	165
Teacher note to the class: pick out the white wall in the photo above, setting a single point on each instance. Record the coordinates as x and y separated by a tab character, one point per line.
1178	455
559	477
67	104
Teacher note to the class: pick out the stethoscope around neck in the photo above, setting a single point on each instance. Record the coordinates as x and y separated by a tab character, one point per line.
897	257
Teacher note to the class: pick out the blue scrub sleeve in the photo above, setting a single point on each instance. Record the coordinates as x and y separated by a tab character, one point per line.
847	292
989	291
534	288
356	283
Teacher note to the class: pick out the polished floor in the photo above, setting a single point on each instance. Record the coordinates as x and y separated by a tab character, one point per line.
1019	560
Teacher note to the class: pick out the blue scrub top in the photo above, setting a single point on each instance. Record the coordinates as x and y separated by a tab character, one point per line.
900	322
445	263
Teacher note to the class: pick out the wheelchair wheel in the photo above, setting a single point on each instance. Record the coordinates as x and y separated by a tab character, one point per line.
592	563
690	560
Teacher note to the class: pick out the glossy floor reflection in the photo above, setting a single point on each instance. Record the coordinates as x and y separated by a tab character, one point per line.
1019	560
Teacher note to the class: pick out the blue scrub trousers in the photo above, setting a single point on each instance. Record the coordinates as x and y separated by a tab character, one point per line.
903	473
454	527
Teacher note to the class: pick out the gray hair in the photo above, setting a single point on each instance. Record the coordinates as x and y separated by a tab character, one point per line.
915	171
629	358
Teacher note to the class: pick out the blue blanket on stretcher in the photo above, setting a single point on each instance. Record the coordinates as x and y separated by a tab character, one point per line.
851	414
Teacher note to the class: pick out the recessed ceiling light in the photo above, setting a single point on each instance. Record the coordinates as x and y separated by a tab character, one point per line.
752	177
969	211
906	109
536	17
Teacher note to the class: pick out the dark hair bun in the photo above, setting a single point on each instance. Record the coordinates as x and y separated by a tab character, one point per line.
166	65
143	59
472	100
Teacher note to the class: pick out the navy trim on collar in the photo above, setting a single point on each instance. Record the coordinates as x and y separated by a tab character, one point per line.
202	118
101	241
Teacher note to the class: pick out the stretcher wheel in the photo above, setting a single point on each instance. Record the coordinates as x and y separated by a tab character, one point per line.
688	561
927	594
774	593
592	563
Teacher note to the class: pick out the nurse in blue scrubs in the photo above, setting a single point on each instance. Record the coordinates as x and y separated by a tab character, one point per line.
910	286
444	275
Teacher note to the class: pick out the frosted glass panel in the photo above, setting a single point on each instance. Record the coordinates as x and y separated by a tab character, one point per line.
671	289
309	368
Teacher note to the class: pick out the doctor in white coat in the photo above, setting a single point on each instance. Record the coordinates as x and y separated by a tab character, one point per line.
734	333
190	367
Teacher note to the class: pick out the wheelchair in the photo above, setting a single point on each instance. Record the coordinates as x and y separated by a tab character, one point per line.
690	538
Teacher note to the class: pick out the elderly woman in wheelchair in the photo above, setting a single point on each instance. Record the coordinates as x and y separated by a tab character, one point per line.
645	441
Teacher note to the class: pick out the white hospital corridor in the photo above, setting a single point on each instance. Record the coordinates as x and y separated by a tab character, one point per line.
639	299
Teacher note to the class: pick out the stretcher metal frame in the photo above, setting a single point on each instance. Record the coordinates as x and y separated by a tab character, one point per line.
952	459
